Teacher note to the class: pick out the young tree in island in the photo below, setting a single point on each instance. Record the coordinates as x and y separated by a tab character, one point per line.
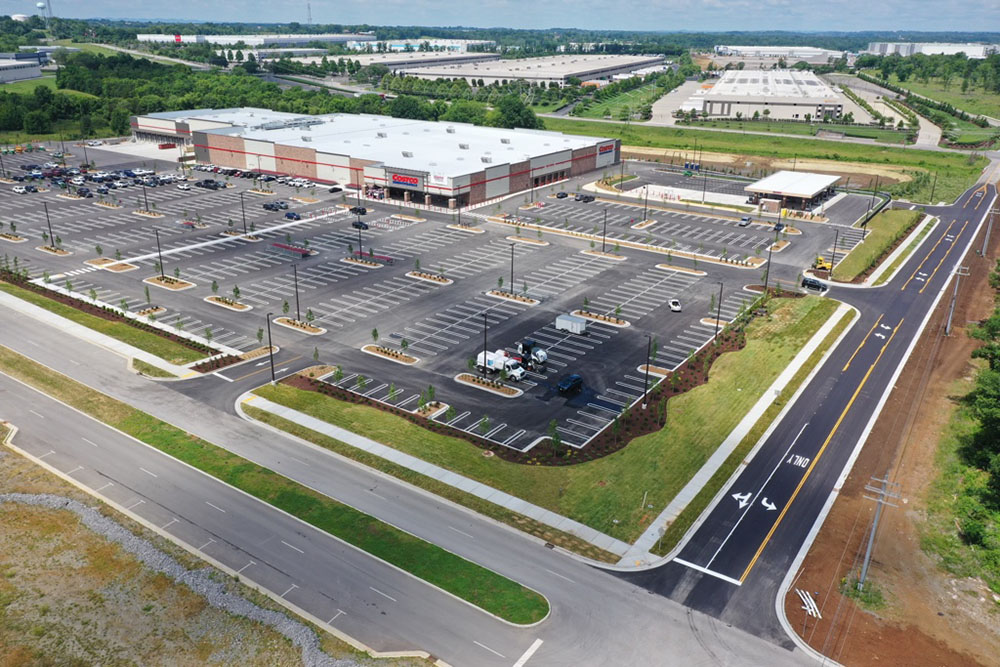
260	335
215	287
375	336
285	307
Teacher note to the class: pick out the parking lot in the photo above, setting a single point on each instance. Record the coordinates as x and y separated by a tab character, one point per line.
442	324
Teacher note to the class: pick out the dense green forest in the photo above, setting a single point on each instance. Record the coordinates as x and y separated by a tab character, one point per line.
123	85
957	69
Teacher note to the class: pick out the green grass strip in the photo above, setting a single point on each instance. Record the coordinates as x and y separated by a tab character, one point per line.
956	172
883	231
464	579
153	343
694	509
607	493
891	269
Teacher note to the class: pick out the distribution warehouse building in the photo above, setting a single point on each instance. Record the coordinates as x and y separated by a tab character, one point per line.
546	70
443	164
785	94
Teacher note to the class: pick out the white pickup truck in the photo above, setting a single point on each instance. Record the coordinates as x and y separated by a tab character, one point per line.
492	362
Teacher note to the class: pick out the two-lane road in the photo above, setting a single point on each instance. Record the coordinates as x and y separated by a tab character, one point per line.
732	565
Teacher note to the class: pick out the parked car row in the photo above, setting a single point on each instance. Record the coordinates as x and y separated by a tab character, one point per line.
275	206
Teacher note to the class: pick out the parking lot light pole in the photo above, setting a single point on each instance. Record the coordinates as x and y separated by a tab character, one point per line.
645	203
645	384
833	260
604	236
767	269
3	171
511	288
270	346
295	278
243	210
144	197
52	238
86	160
159	254
718	313
361	252
485	324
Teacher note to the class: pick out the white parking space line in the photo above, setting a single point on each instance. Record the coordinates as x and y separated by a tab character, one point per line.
497	653
526	656
385	595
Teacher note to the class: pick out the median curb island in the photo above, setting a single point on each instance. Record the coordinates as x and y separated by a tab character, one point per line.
467	484
219	565
639	553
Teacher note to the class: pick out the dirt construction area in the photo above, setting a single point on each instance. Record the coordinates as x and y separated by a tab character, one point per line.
928	616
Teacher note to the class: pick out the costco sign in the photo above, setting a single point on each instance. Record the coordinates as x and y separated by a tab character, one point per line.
402	179
609	148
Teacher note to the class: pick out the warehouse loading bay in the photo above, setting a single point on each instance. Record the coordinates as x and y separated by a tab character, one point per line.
443	324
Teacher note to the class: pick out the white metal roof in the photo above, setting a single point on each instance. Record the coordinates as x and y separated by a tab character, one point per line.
440	148
793	184
748	85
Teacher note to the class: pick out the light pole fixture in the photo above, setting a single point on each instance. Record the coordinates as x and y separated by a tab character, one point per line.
48	221
270	346
243	210
159	253
295	278
144	197
718	313
511	287
767	270
604	236
645	384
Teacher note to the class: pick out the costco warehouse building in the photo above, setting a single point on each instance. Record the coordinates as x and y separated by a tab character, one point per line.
437	163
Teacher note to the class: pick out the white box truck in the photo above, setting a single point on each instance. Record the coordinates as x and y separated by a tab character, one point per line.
571	323
492	362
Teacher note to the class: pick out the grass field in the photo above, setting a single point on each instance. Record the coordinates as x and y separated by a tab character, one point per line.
633	99
62	130
86	48
686	518
976	101
29	86
805	129
483	588
956	172
607	494
162	347
883	230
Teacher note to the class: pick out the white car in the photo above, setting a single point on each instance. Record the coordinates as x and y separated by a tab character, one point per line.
675	305
78	180
183	186
20	189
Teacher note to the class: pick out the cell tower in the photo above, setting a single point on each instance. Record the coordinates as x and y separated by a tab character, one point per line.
309	14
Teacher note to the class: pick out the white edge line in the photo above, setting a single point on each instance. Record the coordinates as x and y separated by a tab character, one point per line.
779	599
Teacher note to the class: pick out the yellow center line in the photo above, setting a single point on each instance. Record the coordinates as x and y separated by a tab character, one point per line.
928	256
862	343
819	454
953	243
264	370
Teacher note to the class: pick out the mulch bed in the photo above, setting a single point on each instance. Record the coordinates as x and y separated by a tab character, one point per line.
9	276
631	424
215	364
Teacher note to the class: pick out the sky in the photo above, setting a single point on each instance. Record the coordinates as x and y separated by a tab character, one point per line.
662	15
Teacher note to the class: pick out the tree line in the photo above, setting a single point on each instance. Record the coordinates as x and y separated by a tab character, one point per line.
969	73
124	86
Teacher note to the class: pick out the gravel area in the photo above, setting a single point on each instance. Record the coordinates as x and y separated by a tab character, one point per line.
200	581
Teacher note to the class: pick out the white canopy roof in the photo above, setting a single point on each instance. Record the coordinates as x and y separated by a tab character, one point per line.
793	184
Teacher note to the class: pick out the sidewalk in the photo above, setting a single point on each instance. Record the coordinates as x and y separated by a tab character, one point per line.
638	554
90	336
478	489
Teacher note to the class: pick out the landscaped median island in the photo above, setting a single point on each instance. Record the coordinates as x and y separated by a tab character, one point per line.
603	484
174	349
885	231
484	588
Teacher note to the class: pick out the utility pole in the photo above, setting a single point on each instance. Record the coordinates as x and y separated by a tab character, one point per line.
986	238
295	278
270	346
243	210
887	490
156	232
52	238
718	313
604	236
959	272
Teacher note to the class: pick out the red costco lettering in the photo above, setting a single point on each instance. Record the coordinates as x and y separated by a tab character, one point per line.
606	149
405	180
177	38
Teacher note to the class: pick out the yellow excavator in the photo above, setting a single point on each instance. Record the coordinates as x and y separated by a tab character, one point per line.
822	264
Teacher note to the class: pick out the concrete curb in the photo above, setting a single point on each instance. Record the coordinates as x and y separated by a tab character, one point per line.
849	464
443	475
805	353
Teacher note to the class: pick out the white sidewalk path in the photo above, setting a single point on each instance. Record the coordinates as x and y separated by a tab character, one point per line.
638	554
478	489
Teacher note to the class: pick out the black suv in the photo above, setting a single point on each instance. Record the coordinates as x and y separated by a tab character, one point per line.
359	210
570	384
357	224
